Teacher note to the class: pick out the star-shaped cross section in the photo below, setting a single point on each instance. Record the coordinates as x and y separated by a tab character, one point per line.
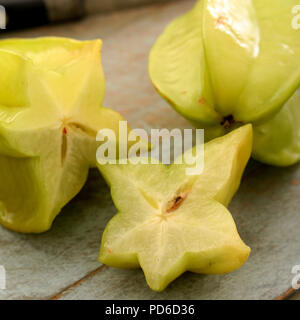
170	222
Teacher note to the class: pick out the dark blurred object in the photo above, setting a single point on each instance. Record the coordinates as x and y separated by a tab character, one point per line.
30	13
98	6
22	14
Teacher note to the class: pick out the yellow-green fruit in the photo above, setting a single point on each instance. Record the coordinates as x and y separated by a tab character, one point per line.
170	222
51	92
227	63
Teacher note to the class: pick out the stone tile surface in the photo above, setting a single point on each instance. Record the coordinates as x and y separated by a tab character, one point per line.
62	263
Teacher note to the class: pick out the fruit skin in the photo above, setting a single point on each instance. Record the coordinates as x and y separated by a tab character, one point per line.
166	236
51	92
225	64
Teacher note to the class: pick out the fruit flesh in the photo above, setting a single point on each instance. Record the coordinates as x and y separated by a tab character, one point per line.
231	59
169	222
51	94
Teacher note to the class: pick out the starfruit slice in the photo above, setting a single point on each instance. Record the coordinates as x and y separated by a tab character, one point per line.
170	222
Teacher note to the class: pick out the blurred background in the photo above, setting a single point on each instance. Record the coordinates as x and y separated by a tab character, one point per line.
30	13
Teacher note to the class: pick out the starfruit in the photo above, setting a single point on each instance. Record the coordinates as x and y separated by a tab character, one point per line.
51	93
230	62
170	222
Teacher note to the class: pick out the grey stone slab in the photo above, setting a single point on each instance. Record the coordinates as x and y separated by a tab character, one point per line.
266	207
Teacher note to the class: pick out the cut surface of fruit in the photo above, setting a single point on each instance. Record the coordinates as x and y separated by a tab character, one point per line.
51	93
232	59
170	222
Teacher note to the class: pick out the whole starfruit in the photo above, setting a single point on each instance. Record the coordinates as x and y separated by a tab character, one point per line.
51	92
230	62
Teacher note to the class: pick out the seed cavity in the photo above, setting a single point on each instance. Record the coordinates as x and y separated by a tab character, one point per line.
64	146
177	202
227	122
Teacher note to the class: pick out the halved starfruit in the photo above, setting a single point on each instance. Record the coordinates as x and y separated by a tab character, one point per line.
51	93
